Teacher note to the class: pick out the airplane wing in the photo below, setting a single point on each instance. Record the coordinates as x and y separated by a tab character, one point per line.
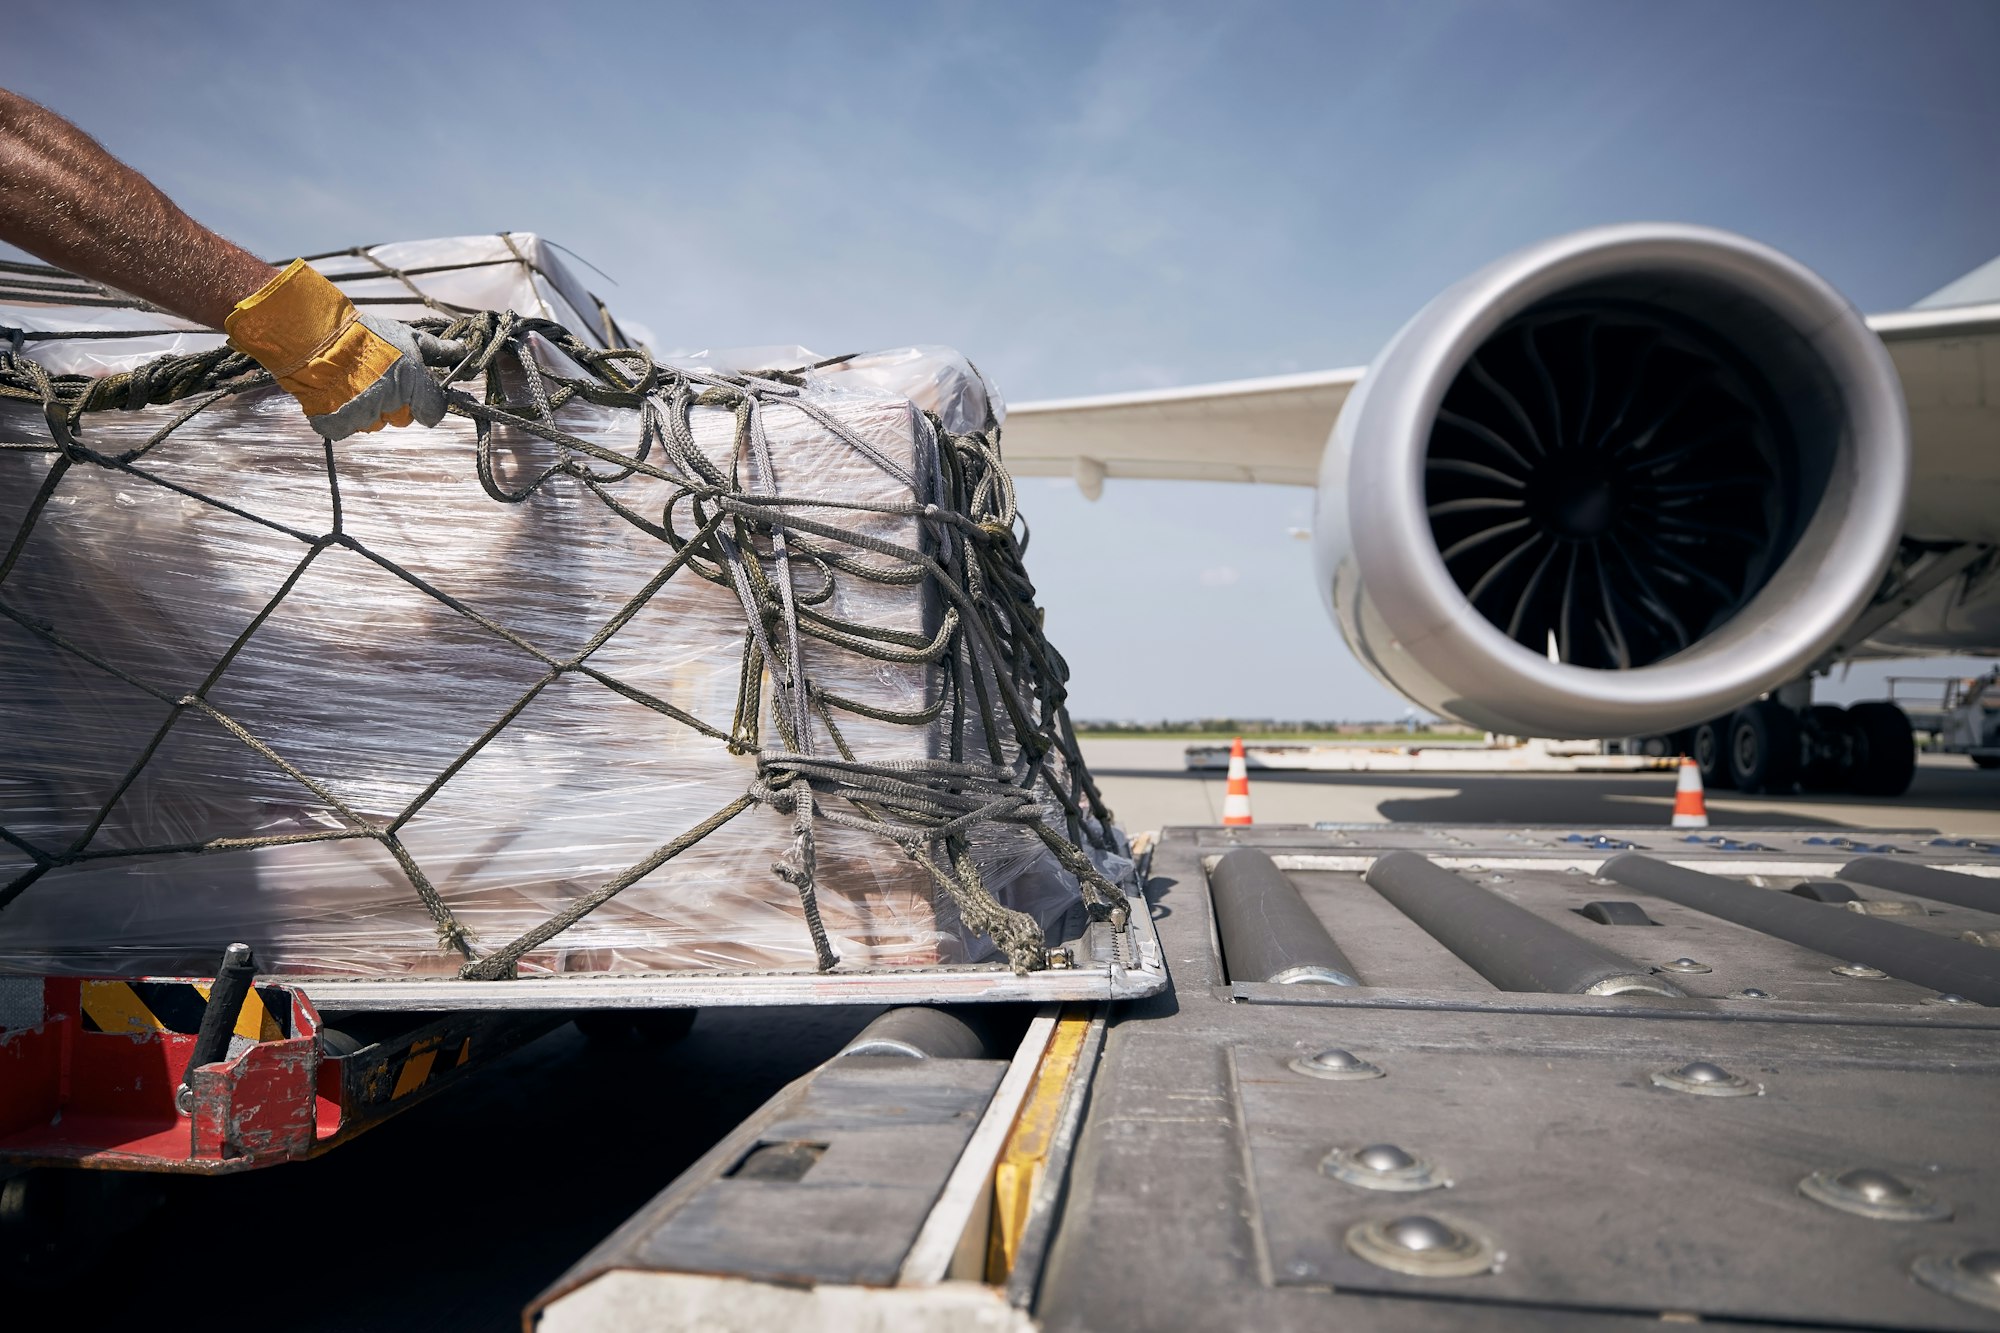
1268	430
1272	430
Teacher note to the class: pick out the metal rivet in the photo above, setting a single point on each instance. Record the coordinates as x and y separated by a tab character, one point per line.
1384	1157
1684	965
1752	993
1872	1185
1861	970
1334	1063
1704	1078
1947	998
1973	1277
1421	1246
1419	1234
1867	1191
1383	1166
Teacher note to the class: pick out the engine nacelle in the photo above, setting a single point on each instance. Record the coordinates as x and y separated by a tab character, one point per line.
1614	484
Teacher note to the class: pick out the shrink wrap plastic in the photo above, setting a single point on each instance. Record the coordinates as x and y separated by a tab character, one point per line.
374	688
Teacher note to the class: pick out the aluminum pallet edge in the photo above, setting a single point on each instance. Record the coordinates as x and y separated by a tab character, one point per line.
1109	964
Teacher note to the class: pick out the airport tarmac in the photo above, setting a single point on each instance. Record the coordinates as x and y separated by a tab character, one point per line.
456	1214
1147	787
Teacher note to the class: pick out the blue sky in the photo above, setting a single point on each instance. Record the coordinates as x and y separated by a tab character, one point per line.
1083	198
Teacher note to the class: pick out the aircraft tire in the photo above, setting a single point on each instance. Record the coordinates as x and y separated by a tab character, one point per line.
1885	750
1826	749
1764	748
1708	746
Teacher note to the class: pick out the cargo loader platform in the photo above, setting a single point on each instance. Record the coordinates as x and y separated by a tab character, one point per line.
91	1068
1743	1079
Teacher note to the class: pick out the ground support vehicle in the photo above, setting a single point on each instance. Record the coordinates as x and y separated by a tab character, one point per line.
1962	715
1744	1079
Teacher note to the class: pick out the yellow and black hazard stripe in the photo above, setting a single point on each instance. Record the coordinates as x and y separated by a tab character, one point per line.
428	1056
126	1007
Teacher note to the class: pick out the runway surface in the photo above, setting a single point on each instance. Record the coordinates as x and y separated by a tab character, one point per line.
1147	788
456	1214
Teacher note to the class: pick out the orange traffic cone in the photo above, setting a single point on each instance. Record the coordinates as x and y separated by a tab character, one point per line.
1236	802
1690	809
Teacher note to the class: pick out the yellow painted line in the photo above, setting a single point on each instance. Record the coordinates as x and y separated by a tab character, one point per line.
417	1068
1026	1151
116	1007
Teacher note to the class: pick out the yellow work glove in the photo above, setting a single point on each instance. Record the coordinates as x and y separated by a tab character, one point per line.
350	372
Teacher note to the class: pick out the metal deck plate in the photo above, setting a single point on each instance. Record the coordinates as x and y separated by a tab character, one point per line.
1601	1190
1197	1198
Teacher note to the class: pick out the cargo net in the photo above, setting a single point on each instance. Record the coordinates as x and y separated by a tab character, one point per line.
1001	679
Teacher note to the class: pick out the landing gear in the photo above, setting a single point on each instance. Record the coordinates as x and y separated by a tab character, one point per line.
1708	743
1885	753
1764	747
1826	748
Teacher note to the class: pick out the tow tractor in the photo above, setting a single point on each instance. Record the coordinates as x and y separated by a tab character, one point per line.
1405	1077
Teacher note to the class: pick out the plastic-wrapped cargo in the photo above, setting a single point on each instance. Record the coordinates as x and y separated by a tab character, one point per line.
384	707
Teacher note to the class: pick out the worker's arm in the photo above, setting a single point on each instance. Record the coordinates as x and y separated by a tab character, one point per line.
65	199
68	201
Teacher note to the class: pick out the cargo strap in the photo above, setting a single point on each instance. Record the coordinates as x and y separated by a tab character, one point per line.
1003	683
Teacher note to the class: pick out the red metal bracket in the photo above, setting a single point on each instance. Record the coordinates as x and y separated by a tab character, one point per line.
93	1083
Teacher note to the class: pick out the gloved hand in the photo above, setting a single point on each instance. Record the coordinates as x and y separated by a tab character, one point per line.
350	372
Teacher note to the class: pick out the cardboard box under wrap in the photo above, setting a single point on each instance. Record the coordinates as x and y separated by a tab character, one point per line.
374	688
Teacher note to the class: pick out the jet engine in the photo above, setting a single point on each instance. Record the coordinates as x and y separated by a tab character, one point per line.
1614	484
